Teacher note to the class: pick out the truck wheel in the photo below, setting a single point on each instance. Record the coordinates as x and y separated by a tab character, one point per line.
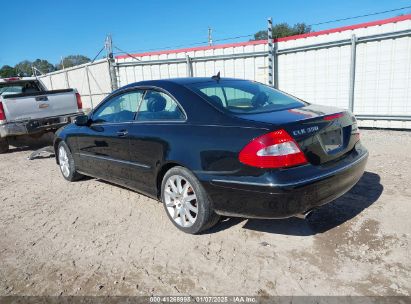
66	163
186	202
4	145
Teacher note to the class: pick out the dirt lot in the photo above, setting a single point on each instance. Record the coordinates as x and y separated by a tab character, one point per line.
93	238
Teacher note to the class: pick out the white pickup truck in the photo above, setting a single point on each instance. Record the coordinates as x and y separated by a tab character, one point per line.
26	107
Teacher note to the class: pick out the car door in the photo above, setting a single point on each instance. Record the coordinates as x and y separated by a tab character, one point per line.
158	119
103	146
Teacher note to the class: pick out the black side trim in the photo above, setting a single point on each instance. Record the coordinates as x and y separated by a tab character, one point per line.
114	160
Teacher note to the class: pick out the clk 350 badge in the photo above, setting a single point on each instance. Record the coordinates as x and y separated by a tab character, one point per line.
305	131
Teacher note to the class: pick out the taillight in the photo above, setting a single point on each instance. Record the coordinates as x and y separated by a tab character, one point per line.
12	79
333	116
2	114
79	102
273	150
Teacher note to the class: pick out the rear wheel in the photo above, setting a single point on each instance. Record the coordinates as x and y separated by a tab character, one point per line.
186	202
66	163
4	145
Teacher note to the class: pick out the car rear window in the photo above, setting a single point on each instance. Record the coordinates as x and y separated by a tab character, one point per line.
239	96
12	88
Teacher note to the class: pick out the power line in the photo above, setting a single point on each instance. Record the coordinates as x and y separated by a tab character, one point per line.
185	45
232	38
127	53
366	15
168	47
331	21
251	35
97	54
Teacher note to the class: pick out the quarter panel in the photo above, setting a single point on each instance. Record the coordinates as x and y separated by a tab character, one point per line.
203	149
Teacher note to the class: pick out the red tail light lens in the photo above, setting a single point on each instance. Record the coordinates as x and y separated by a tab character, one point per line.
333	116
273	150
2	114
12	79
79	102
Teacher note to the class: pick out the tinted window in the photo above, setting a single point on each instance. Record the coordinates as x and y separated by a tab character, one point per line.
10	89
159	106
244	96
18	88
120	108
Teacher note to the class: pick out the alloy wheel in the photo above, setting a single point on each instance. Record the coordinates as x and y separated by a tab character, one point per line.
64	162
181	200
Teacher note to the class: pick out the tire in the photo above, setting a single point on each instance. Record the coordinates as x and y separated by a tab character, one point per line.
186	203
4	145
66	163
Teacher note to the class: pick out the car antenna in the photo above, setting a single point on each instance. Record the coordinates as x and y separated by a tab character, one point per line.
216	77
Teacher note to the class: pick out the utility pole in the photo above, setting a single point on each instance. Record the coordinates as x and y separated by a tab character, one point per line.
270	51
111	62
35	71
352	72
210	39
65	73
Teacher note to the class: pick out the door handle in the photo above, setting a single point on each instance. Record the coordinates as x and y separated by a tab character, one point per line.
122	133
42	98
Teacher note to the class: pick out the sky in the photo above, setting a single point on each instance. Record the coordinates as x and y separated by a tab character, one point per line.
50	29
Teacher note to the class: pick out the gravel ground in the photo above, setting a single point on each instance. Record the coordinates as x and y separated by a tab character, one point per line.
94	238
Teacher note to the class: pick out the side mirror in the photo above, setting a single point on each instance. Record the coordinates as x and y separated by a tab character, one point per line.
81	120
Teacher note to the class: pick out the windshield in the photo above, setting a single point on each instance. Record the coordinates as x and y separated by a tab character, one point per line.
240	96
11	88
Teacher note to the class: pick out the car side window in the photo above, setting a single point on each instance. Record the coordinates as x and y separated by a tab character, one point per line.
227	96
159	106
236	97
120	108
216	95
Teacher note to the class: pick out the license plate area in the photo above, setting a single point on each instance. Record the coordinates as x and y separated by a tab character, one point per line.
42	123
332	140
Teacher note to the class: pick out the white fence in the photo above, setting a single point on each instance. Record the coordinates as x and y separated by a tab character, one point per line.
365	68
91	80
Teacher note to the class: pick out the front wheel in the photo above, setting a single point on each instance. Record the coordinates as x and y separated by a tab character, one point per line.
66	163
186	202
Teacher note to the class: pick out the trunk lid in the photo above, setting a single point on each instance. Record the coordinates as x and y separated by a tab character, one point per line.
323	133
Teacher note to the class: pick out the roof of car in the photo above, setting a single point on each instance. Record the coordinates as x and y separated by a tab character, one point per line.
180	81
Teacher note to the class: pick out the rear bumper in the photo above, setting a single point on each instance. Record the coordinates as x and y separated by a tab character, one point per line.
288	192
35	125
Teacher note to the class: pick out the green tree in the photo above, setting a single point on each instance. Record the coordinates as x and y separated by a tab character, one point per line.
7	71
43	66
23	68
284	30
72	60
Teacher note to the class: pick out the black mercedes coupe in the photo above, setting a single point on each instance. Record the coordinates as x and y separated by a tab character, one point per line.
207	147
